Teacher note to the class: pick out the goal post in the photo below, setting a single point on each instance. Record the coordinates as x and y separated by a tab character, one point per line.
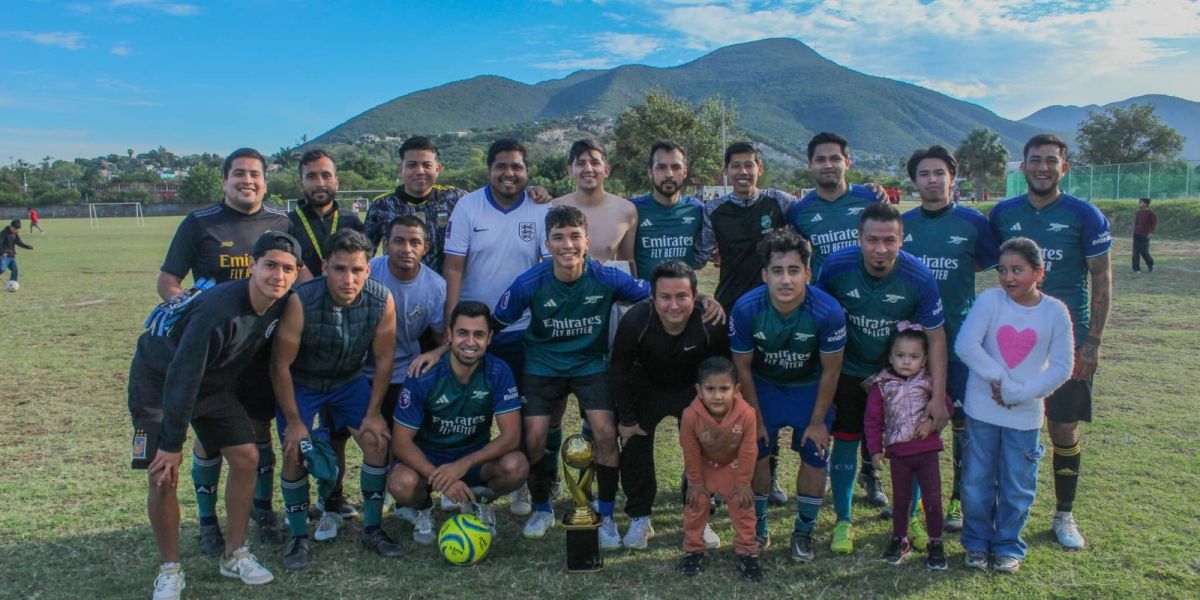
98	210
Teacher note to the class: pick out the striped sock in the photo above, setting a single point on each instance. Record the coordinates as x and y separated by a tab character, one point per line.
372	480
807	508
264	482
295	502
206	474
1066	475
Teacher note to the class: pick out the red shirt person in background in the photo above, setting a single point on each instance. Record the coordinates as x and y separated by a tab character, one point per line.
1144	224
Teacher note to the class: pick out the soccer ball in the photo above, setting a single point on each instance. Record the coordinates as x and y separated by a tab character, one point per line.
464	540
12	286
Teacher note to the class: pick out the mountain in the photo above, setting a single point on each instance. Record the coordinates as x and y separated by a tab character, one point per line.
1183	115
783	91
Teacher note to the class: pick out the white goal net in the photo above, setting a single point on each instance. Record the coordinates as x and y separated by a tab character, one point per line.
108	210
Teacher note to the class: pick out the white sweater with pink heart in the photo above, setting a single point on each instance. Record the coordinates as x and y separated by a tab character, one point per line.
1029	350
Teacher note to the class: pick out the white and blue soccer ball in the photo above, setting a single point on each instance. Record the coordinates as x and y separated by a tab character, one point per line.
12	286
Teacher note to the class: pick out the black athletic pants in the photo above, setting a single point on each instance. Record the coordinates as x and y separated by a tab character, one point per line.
638	476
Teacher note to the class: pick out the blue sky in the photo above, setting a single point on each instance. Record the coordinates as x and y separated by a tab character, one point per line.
89	78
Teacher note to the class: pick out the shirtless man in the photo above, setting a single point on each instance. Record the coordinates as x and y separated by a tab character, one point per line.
611	219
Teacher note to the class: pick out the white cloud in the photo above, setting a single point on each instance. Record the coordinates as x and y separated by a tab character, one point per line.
121	49
605	50
177	9
59	39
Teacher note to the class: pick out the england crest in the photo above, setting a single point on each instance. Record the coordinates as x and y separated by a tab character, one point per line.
526	231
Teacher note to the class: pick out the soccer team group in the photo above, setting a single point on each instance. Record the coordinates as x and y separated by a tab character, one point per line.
836	316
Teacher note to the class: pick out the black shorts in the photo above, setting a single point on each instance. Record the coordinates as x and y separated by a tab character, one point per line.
545	396
255	393
849	406
1071	402
388	407
219	420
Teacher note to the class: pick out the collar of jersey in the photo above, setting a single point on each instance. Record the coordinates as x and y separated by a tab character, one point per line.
487	192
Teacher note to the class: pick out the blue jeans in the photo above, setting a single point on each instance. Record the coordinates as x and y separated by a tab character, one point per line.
9	263
999	482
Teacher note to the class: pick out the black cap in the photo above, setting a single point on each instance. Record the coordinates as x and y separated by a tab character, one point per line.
277	240
15	223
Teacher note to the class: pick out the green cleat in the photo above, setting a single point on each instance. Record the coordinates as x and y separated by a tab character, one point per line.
842	542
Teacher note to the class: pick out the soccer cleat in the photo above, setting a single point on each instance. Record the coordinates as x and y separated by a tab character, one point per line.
485	514
407	514
954	516
212	543
747	565
712	541
842	542
692	564
637	537
610	536
916	534
538	524
936	561
1067	532
327	527
448	505
873	488
340	505
170	582
763	541
976	560
518	502
897	550
777	497
295	556
423	527
1007	564
269	531
802	550
245	566
379	542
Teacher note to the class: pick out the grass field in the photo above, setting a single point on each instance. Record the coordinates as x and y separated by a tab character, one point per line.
73	521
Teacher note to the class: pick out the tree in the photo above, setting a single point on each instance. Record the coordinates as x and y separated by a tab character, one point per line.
663	116
1127	135
979	155
202	185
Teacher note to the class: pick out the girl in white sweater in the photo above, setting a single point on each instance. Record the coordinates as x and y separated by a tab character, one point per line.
1018	345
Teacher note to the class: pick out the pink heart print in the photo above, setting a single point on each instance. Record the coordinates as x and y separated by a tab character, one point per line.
1015	345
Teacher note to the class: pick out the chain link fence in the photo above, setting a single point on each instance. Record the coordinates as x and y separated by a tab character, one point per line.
1177	179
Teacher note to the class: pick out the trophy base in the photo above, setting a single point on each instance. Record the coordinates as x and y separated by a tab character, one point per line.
583	550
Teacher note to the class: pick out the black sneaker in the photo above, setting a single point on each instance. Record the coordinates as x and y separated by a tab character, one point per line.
295	555
869	480
269	531
381	544
937	556
802	551
897	550
692	564
748	565
212	543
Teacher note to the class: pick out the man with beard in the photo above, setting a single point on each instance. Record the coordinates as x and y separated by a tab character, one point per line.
669	225
215	243
954	242
1075	239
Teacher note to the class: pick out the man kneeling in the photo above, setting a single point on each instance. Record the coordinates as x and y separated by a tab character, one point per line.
442	436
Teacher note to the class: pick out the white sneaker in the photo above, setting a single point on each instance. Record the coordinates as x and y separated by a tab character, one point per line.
1067	531
610	537
327	526
712	541
449	505
245	566
519	504
485	514
538	524
170	583
407	514
423	527
639	533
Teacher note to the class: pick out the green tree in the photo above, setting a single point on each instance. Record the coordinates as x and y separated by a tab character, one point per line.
1127	135
202	185
663	116
979	155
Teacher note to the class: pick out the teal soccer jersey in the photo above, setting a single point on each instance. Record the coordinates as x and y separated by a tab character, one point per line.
568	329
830	226
953	243
1070	231
786	348
875	305
666	233
447	414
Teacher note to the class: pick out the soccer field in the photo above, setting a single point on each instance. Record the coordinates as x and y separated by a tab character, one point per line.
73	521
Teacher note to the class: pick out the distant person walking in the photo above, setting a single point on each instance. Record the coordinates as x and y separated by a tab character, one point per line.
33	223
10	238
1144	224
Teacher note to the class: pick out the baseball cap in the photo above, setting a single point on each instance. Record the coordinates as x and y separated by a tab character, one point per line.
15	223
277	240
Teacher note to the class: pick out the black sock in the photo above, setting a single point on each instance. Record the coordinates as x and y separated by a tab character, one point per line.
1066	475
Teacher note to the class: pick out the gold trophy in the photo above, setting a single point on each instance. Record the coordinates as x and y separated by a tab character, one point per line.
583	523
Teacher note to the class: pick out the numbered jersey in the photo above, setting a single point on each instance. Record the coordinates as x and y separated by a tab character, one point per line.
1070	231
787	349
